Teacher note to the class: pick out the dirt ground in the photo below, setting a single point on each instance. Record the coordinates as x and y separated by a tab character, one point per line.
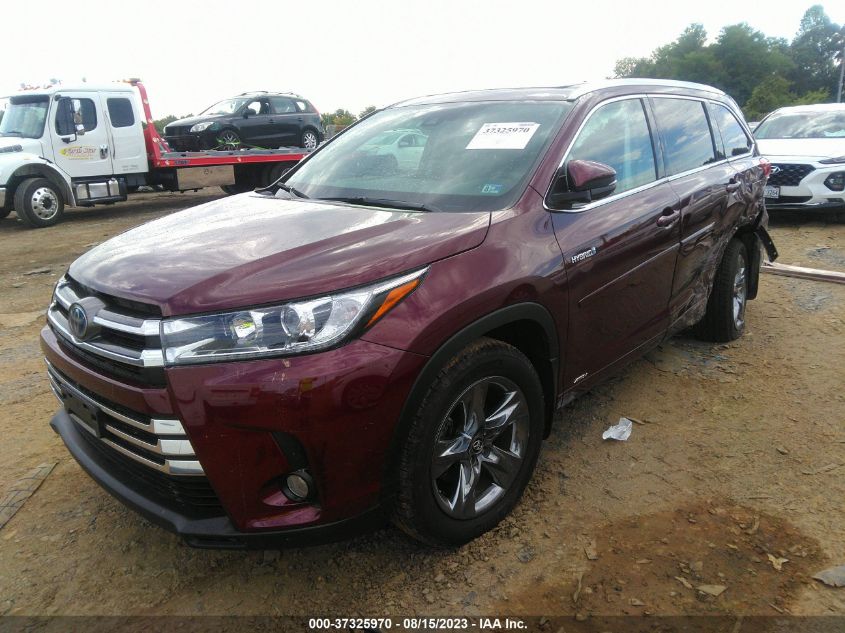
739	461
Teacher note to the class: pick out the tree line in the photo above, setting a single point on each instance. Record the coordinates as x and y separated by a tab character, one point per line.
761	73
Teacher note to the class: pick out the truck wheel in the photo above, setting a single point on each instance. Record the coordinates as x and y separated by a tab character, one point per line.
38	203
309	139
724	319
4	213
273	172
472	445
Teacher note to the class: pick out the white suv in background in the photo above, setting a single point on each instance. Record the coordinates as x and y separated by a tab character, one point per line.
806	146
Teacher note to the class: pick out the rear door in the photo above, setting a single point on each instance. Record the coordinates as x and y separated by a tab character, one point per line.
80	155
620	251
707	187
288	122
128	152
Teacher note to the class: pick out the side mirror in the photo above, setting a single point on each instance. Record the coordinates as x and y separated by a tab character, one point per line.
579	182
69	119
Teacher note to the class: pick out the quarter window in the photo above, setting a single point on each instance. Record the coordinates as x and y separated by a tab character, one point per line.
617	134
686	134
734	137
65	118
120	112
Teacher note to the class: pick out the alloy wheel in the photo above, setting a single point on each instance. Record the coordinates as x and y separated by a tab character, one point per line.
480	448
229	140
309	140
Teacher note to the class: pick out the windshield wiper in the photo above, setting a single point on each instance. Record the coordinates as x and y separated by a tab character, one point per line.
383	202
272	189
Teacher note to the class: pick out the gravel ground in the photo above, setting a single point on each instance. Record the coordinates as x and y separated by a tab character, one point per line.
738	462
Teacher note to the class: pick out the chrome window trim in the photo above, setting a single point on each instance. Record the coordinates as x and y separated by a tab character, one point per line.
654	183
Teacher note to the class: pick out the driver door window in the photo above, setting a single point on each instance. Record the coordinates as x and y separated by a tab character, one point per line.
66	118
617	134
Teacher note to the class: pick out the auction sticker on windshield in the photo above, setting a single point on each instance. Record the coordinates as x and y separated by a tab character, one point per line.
503	136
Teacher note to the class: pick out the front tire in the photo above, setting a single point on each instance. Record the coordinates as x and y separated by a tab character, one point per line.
472	445
724	319
229	140
39	203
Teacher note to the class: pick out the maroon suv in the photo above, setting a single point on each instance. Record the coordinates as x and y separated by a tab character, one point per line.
389	330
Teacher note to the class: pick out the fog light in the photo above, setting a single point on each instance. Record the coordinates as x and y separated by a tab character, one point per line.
298	486
836	181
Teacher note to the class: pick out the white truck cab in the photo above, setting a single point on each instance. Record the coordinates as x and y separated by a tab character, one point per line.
63	145
87	144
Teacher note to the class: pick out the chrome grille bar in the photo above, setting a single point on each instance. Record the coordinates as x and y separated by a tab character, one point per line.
107	318
171	442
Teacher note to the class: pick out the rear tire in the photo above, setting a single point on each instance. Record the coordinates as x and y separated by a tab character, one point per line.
39	203
471	446
309	140
724	319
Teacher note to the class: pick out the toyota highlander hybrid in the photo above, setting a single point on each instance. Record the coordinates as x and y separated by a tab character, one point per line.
389	329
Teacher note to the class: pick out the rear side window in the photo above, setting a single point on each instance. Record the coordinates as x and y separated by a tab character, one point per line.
617	134
120	112
686	134
65	119
282	105
735	139
302	106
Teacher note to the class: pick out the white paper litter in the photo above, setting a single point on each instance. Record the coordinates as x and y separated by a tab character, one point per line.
620	431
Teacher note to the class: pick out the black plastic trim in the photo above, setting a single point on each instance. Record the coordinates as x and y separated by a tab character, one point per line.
210	533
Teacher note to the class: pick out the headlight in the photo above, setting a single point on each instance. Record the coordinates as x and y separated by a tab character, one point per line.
201	127
291	328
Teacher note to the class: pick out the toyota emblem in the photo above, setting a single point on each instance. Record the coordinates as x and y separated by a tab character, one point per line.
77	320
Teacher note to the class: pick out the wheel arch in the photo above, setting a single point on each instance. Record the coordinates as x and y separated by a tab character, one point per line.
527	326
753	249
40	170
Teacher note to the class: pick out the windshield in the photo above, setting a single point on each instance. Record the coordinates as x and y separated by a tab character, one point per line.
25	116
227	106
803	125
451	157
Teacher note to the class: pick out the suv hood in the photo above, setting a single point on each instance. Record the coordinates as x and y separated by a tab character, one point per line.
815	147
250	250
197	119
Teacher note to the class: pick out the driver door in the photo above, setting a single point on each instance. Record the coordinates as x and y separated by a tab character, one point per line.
80	137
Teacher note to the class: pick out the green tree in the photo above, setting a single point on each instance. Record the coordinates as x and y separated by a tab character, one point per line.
776	92
338	117
366	111
814	52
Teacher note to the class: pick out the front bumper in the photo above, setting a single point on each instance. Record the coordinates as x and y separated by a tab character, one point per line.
251	423
810	193
211	532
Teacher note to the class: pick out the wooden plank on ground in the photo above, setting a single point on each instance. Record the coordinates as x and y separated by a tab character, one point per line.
816	274
22	490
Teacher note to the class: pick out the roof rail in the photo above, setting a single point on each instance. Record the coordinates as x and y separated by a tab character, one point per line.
266	92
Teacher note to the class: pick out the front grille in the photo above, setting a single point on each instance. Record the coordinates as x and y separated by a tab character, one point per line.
786	175
788	200
153	454
125	341
184	143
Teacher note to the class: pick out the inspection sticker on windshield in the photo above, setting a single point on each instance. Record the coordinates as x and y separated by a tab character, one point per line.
503	136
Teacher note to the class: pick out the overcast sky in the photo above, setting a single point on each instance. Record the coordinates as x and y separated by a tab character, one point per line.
354	53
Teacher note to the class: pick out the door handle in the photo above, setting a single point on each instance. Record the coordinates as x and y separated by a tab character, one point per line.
668	218
104	151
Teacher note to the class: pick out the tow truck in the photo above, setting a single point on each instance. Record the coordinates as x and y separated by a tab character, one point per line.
78	146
